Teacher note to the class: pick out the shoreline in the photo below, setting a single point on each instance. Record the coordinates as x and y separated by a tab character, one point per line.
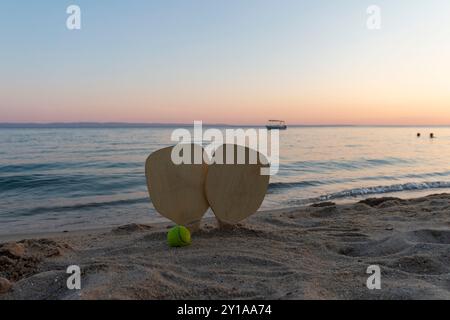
157	224
405	195
312	252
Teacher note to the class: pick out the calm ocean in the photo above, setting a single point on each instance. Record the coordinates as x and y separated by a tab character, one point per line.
55	179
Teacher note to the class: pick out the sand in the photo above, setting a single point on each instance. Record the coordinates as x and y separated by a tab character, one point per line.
319	252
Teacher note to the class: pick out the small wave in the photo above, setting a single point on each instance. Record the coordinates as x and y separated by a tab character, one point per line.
12	168
273	187
288	185
55	166
79	206
346	165
68	183
411	186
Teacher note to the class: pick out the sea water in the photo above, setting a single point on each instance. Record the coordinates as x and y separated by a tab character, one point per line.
56	179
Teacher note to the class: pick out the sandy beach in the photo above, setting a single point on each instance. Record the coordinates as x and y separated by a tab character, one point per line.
315	252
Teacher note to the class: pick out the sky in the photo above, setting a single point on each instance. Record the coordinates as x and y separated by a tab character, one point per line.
226	61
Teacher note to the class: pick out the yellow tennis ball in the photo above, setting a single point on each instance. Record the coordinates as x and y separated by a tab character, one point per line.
179	236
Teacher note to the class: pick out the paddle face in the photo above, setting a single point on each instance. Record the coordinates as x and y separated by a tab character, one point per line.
236	191
177	191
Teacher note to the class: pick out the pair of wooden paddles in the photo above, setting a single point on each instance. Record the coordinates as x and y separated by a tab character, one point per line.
184	192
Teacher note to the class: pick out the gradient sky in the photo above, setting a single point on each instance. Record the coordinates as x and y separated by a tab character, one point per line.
226	61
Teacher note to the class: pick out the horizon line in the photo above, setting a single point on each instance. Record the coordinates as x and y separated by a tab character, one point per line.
63	124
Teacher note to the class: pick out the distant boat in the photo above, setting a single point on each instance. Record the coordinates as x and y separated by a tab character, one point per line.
276	125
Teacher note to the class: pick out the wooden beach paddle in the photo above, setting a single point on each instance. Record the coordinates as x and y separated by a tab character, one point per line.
177	191
235	191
